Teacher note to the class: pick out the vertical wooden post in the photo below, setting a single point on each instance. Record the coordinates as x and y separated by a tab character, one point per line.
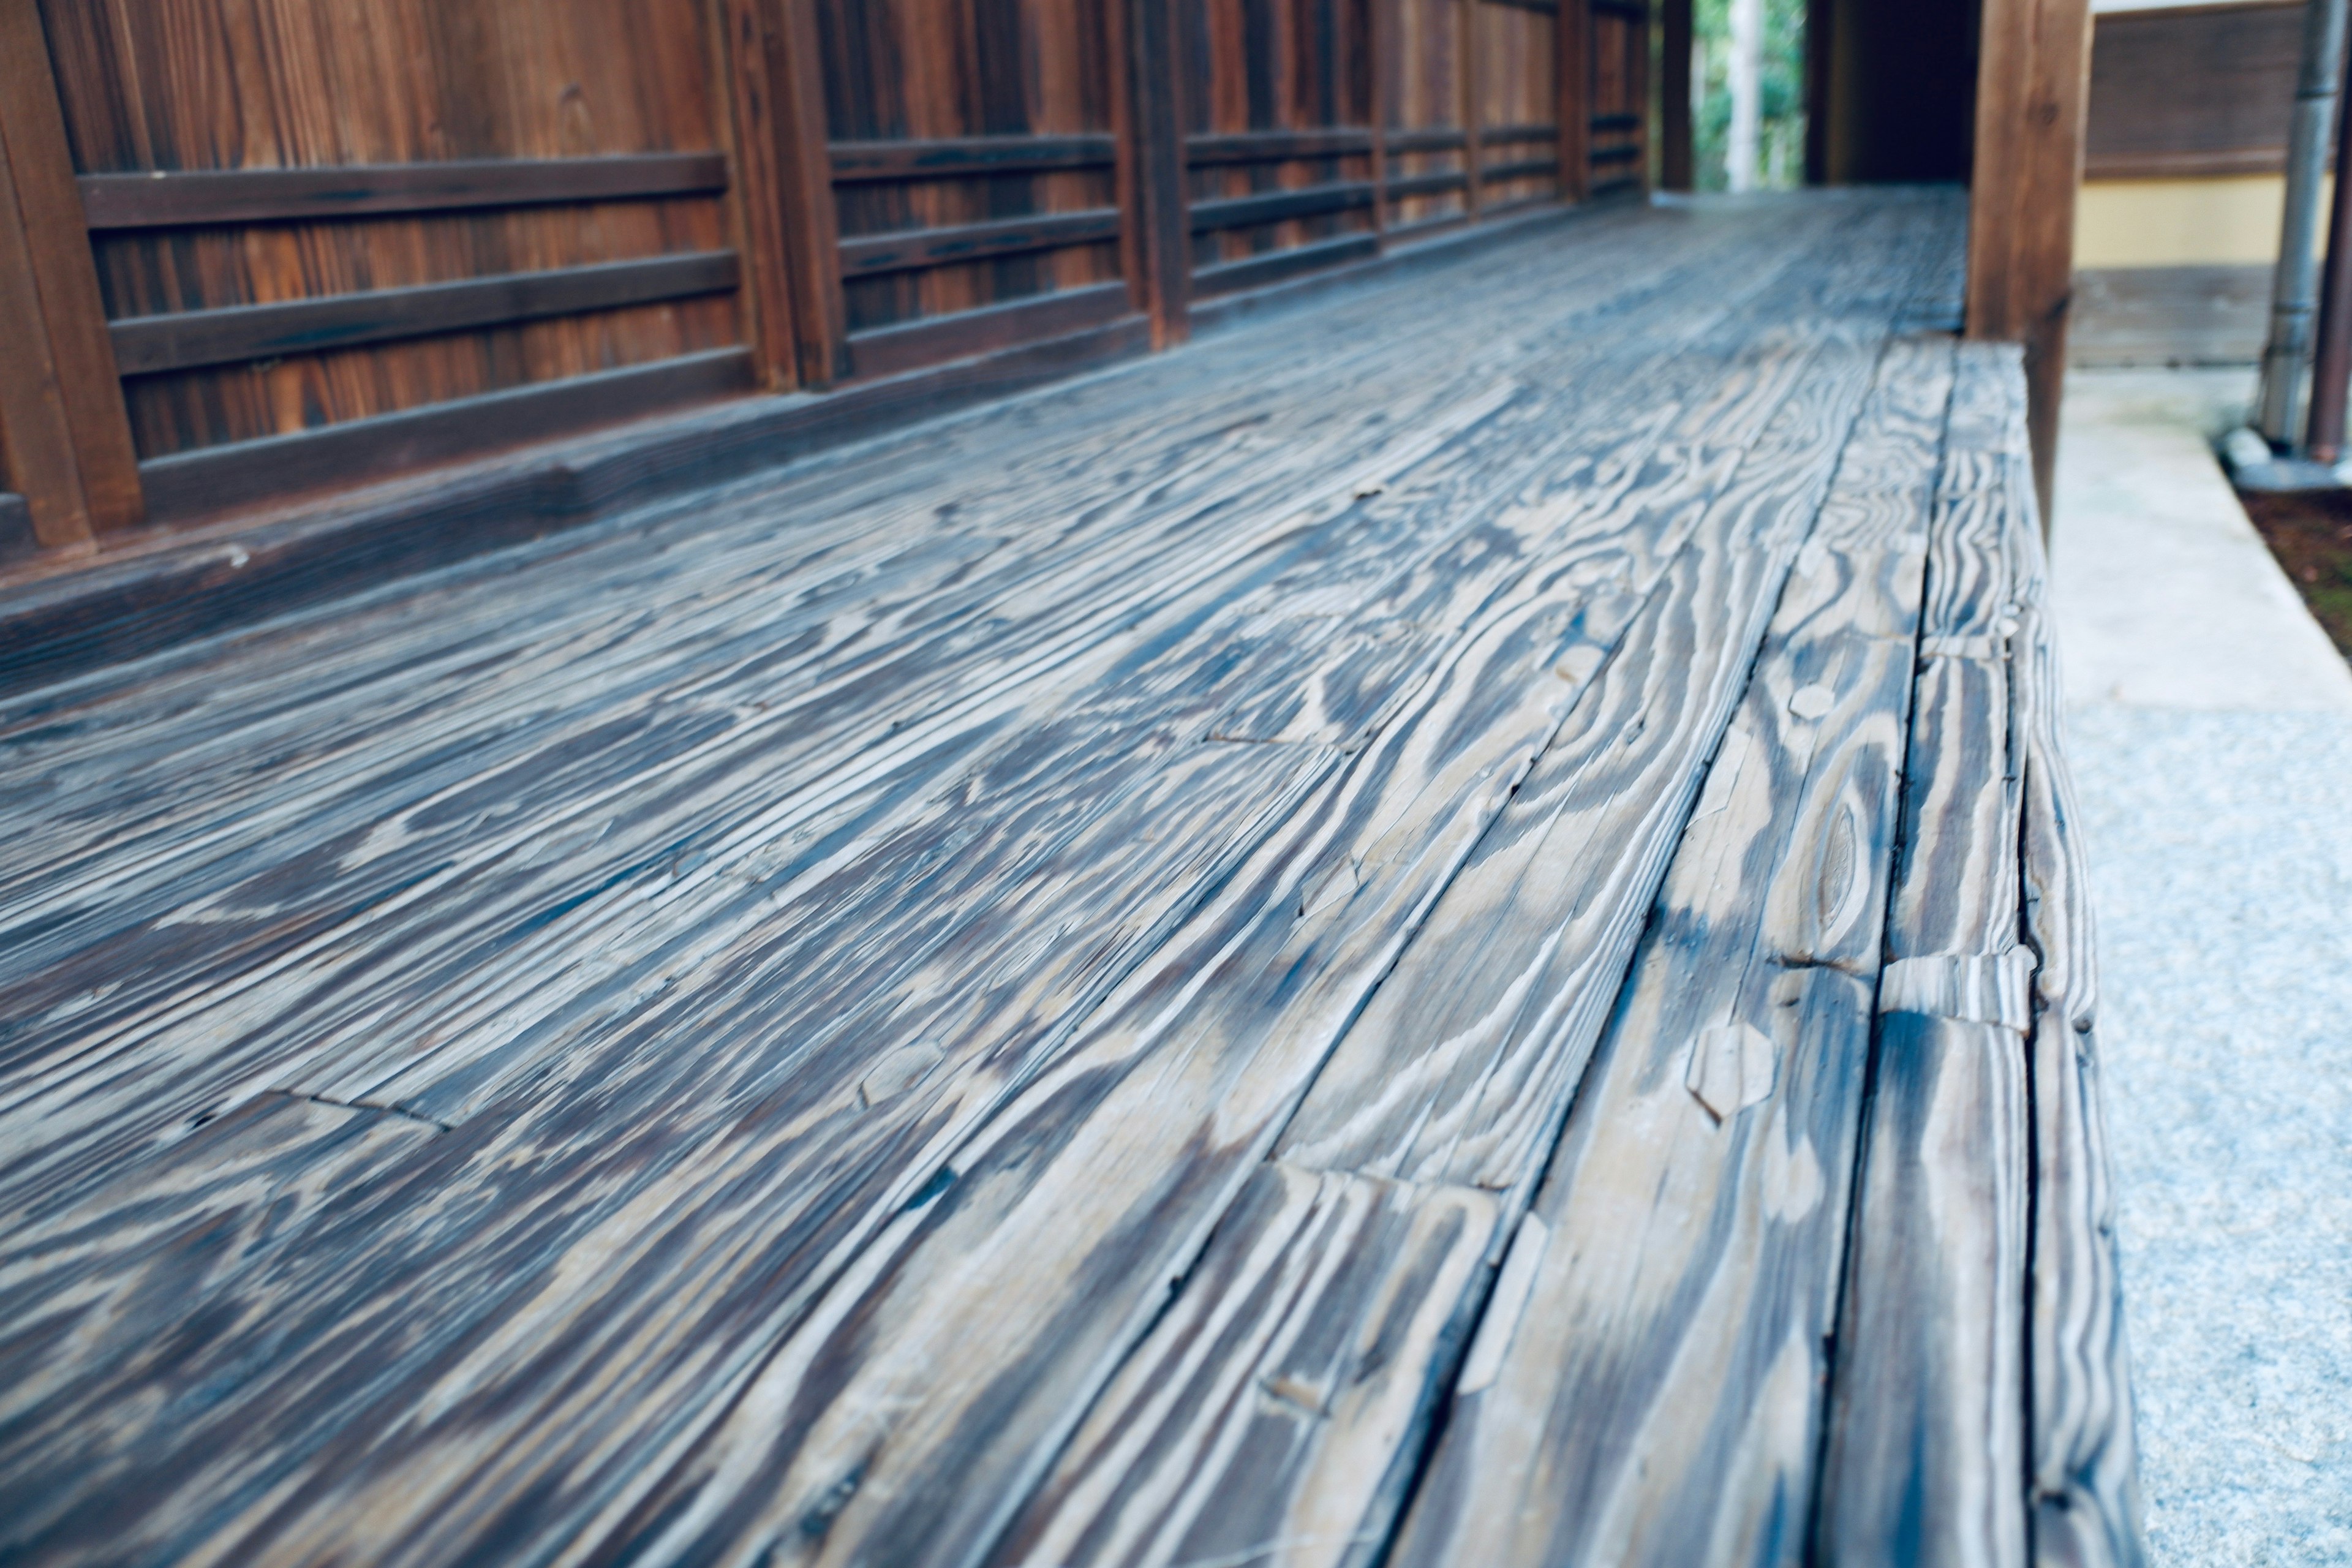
1573	87
1151	172
1674	172
2031	85
1473	192
784	167
64	430
742	65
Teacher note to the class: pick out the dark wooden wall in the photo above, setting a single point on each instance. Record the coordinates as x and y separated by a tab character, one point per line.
289	245
2196	89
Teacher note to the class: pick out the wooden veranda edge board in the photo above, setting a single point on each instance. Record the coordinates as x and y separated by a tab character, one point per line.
2084	1504
63	619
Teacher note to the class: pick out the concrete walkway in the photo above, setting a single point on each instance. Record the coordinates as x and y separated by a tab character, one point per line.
2212	743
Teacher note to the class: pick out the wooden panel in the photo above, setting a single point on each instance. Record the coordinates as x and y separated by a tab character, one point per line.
1517	99
1005	113
62	426
1292	77
1674	106
1420	79
1617	147
206	197
2193	89
224	87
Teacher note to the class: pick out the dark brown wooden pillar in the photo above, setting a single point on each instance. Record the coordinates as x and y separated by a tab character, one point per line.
1675	171
2031	85
783	177
65	436
1159	238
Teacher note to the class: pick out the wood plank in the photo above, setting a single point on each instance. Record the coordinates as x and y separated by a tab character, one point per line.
1276	207
36	445
874	253
145	345
73	380
201	198
723	1190
216	478
1572	85
1927	1419
1649	1393
1563	291
943	158
1674	106
1114	1270
2083	1470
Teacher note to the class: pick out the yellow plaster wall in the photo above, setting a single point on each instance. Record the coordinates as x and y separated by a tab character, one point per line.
2180	223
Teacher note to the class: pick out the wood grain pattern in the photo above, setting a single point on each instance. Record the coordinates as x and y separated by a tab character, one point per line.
631	755
1928	1425
939	1005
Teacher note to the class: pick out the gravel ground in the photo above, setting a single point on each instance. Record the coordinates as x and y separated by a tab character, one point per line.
2221	856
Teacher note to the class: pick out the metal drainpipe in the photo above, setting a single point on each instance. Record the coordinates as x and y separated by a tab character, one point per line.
2296	280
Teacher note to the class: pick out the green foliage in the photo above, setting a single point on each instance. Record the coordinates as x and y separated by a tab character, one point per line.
1781	144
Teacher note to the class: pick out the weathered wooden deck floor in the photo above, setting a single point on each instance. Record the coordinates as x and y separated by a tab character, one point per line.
1441	926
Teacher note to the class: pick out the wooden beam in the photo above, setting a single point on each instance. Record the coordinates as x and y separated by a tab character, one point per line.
194	197
1272	146
1274	206
1153	170
1674	170
777	84
743	72
951	158
1471	83
61	381
2031	87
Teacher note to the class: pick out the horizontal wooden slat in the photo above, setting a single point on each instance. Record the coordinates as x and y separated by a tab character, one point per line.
1502	135
888	350
946	158
1616	121
215	478
1425	184
145	345
194	199
1424	142
1276	206
1541	7
1624	155
1268	146
1276	265
871	254
1526	169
